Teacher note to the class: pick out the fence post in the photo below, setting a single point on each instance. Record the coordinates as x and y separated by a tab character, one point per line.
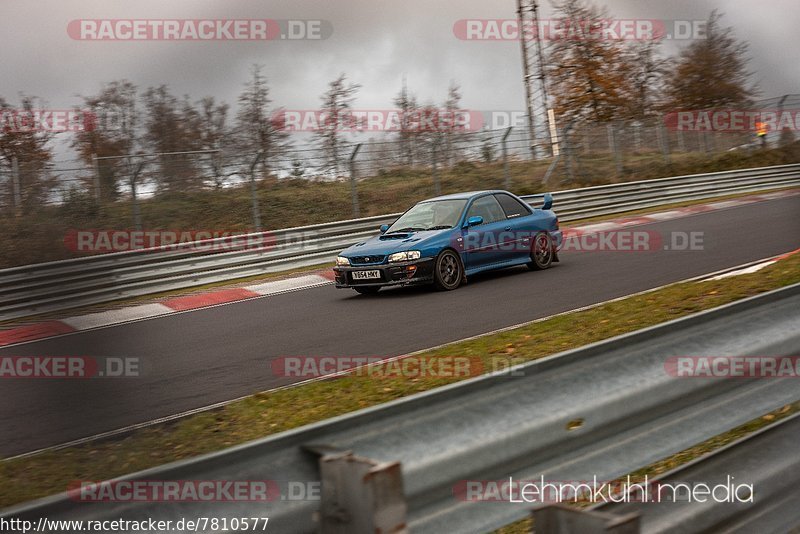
15	186
663	137
137	215
569	153
353	189
612	145
96	167
506	171
254	191
437	186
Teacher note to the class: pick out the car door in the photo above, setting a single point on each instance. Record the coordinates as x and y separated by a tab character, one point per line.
516	238
481	244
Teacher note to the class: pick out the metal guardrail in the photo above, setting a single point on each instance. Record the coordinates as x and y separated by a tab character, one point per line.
767	461
603	410
39	288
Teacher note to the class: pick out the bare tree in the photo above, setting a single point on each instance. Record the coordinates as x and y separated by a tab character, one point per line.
710	73
256	126
213	132
336	106
644	72
112	132
585	73
407	106
451	135
28	145
171	126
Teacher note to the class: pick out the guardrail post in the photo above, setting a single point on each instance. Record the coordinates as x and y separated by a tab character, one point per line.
562	519
96	168
353	178
361	495
506	171
254	191
15	186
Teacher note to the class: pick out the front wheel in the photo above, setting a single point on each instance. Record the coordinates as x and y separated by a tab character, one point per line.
447	273
371	290
541	252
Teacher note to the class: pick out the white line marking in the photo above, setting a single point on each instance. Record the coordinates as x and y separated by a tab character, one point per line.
749	270
121	315
281	286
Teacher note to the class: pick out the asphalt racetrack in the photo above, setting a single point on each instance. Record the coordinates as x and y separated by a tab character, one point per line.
190	360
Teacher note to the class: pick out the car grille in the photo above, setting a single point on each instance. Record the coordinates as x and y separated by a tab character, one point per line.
367	260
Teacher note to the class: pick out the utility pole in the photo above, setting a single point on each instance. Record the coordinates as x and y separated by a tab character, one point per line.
534	78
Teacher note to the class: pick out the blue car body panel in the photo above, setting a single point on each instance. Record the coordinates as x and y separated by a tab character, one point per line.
494	245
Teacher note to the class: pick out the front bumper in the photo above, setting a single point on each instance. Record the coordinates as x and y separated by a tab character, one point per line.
391	274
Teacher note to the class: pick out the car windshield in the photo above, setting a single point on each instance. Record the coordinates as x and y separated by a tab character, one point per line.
433	215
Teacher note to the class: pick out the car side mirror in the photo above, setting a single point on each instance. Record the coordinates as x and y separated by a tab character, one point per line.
475	221
383	228
548	202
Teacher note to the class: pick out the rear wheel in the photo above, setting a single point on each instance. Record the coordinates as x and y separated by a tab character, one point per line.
447	274
541	252
371	290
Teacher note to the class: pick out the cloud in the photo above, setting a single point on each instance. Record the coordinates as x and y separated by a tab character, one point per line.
376	42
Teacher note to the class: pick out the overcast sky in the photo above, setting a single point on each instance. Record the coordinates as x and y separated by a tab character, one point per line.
376	42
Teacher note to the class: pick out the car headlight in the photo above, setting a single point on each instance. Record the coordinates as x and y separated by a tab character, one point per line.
341	261
404	256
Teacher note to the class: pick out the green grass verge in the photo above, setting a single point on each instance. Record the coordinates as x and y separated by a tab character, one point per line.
268	413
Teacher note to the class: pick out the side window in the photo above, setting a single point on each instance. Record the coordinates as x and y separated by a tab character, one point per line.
512	207
488	208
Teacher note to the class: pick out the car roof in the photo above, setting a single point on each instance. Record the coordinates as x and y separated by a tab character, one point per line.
464	196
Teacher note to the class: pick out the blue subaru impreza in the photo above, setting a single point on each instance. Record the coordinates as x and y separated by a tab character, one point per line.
443	240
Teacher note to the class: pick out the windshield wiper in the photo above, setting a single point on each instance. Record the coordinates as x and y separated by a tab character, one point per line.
407	229
439	228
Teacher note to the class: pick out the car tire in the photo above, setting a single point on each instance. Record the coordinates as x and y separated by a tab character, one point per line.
371	290
447	271
542	252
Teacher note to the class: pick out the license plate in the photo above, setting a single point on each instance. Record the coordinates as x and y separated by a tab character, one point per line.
366	275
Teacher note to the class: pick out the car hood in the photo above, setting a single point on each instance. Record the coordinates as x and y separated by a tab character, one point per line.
390	243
